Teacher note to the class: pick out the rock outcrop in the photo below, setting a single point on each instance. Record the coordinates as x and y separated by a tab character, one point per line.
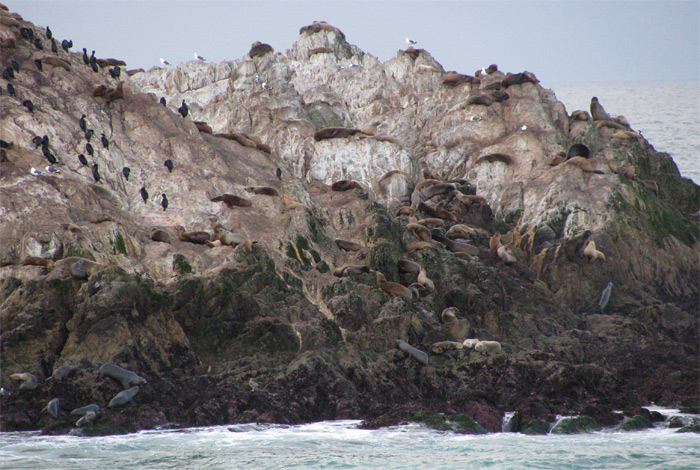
271	298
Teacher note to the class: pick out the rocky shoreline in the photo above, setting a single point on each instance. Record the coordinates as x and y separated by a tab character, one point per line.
354	203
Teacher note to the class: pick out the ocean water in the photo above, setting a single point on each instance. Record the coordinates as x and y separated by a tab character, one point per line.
340	444
667	114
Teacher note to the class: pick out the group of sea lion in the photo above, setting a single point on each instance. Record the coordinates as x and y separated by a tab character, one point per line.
88	413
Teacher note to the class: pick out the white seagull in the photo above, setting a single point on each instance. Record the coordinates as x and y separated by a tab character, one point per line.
164	62
199	57
35	172
266	86
257	79
483	71
52	169
410	42
524	128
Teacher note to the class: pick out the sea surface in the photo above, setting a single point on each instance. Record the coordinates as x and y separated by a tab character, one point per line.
667	113
340	444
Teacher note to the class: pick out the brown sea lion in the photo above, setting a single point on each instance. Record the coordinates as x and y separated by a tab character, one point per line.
345	185
495	242
469	199
442	346
232	200
347	245
425	281
425	183
110	63
580	115
584	164
449	315
133	72
421	245
159	235
592	253
99	90
320	50
393	288
203	127
334	133
408	266
199	238
37	261
437	189
343	270
431	222
442	213
496	157
558	159
263	190
454	79
480	99
258	49
505	255
56	62
420	231
405	210
598	112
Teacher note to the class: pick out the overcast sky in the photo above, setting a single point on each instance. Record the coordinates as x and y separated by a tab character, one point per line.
560	41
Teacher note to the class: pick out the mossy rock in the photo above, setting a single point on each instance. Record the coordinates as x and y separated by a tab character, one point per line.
695	427
576	425
535	427
459	423
635	423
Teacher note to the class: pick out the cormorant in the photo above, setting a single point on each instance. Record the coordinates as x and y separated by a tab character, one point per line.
144	194
169	165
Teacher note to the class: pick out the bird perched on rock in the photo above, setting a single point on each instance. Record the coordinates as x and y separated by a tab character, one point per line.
144	194
54	46
183	110
115	72
126	171
86	60
15	65
11	89
83	161
105	141
95	173
162	101
164	62
53	169
164	202
66	44
49	34
88	134
411	42
279	174
199	57
266	86
38	44
37	140
89	149
29	105
77	271
35	172
83	124
38	64
169	165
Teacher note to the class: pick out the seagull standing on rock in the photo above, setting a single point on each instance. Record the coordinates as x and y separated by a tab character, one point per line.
199	57
164	62
411	42
266	86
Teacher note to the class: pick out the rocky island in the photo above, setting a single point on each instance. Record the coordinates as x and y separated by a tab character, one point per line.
316	235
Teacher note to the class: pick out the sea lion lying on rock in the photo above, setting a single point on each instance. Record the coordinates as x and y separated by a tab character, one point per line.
29	381
334	133
123	376
416	354
442	346
123	397
488	347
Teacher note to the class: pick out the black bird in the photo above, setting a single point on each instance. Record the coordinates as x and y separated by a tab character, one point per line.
11	89
37	141
15	65
85	57
50	157
37	62
89	149
54	47
144	194
88	134
95	67
95	173
45	141
38	44
164	202
8	73
83	160
169	165
29	105
126	171
183	109
162	101
83	124
93	59
49	35
279	174
105	141
6	145
66	45
115	72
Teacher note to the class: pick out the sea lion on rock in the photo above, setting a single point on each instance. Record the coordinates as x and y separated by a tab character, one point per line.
580	115
592	253
425	281
334	133
258	49
416	354
495	157
438	189
442	213
431	222
408	266
77	271
420	231
454	79
62	372
598	112
355	268
457	246
345	185
123	397
518	79
37	261
159	235
228	238
449	315
488	347
480	99
232	200
125	377
470	342
505	255
347	245
86	409
29	381
87	418
405	210
442	346
52	408
578	150
203	127
263	190
387	138
468	199
412	246
584	164
200	238
393	287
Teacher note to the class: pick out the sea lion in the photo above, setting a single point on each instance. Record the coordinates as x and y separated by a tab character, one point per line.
355	268
125	377
334	133
228	238
456	246
52	408
580	115
460	231
393	287
200	238
442	346
263	190
86	409
598	112
592	253
87	418
425	183
420	231
505	255
29	381
425	281
438	189
408	266
442	213
405	210
449	315
411	246
37	261
468	199
454	79
470	342
578	150
159	235
431	222
123	397
347	245
488	347
62	372
386	138
345	185
203	127
232	200
77	271
258	49
584	164
558	159
290	203
495	157
479	99
416	354
605	296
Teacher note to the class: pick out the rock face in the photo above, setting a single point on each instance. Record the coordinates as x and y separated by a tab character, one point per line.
276	300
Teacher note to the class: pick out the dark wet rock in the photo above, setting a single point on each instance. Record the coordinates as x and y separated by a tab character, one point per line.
459	423
635	423
575	425
535	426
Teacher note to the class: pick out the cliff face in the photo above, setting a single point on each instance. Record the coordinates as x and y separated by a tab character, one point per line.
198	322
